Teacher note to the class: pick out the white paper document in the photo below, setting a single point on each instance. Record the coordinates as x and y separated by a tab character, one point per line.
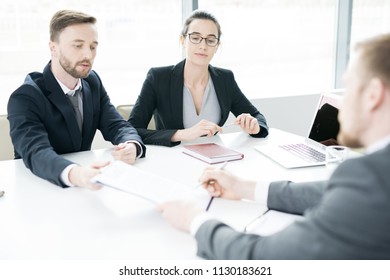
157	189
132	180
272	222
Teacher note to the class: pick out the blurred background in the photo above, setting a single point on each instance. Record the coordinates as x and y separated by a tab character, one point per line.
276	48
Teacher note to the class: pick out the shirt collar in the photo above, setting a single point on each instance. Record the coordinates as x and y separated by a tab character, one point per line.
378	145
69	91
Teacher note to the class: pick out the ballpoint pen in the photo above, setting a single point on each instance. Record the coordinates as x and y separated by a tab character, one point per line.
212	198
256	219
224	126
201	183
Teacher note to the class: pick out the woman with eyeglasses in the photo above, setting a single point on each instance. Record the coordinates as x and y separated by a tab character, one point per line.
193	98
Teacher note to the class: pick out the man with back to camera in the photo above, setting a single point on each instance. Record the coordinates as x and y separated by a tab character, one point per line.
58	111
346	217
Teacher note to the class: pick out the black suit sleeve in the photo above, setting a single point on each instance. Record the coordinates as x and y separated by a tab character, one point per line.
145	106
111	124
41	129
161	97
26	114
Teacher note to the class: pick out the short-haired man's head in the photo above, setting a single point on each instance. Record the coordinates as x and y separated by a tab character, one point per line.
65	18
198	14
375	57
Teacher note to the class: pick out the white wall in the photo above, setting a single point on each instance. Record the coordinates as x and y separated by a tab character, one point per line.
290	113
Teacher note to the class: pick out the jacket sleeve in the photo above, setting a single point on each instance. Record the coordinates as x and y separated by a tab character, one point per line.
26	112
349	222
143	112
295	198
111	124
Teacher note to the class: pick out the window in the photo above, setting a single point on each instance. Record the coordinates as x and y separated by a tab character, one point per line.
133	37
276	48
369	18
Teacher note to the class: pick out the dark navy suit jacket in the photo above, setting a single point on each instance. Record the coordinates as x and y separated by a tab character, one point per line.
162	95
43	124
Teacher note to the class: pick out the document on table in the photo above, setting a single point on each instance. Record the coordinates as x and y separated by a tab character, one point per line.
132	180
157	189
272	222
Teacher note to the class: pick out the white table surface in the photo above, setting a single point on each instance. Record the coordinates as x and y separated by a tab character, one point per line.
39	220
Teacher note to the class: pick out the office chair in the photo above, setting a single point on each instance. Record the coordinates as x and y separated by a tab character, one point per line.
6	147
125	111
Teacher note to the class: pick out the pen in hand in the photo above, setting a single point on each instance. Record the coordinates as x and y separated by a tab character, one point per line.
212	198
224	126
201	183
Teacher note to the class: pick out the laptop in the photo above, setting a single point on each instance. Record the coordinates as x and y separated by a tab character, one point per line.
310	151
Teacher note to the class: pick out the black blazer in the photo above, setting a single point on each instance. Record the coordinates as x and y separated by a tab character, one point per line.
162	95
43	124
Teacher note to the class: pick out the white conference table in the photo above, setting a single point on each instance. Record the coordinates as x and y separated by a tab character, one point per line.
39	220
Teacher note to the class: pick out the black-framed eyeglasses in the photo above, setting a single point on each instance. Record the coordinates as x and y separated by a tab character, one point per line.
196	39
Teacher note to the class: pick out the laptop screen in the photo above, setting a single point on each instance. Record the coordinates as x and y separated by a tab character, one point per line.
326	126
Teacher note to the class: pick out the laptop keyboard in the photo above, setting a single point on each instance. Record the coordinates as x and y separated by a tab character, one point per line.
305	152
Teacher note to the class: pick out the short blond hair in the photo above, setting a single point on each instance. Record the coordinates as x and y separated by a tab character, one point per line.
375	57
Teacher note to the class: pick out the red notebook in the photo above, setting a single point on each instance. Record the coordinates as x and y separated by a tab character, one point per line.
212	153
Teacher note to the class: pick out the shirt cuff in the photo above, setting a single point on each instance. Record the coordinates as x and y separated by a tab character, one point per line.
261	192
140	151
198	221
65	175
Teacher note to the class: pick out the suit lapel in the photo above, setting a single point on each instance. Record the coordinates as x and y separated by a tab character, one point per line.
57	97
176	94
222	95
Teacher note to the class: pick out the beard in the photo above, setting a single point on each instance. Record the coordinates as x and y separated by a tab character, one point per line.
71	70
345	139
